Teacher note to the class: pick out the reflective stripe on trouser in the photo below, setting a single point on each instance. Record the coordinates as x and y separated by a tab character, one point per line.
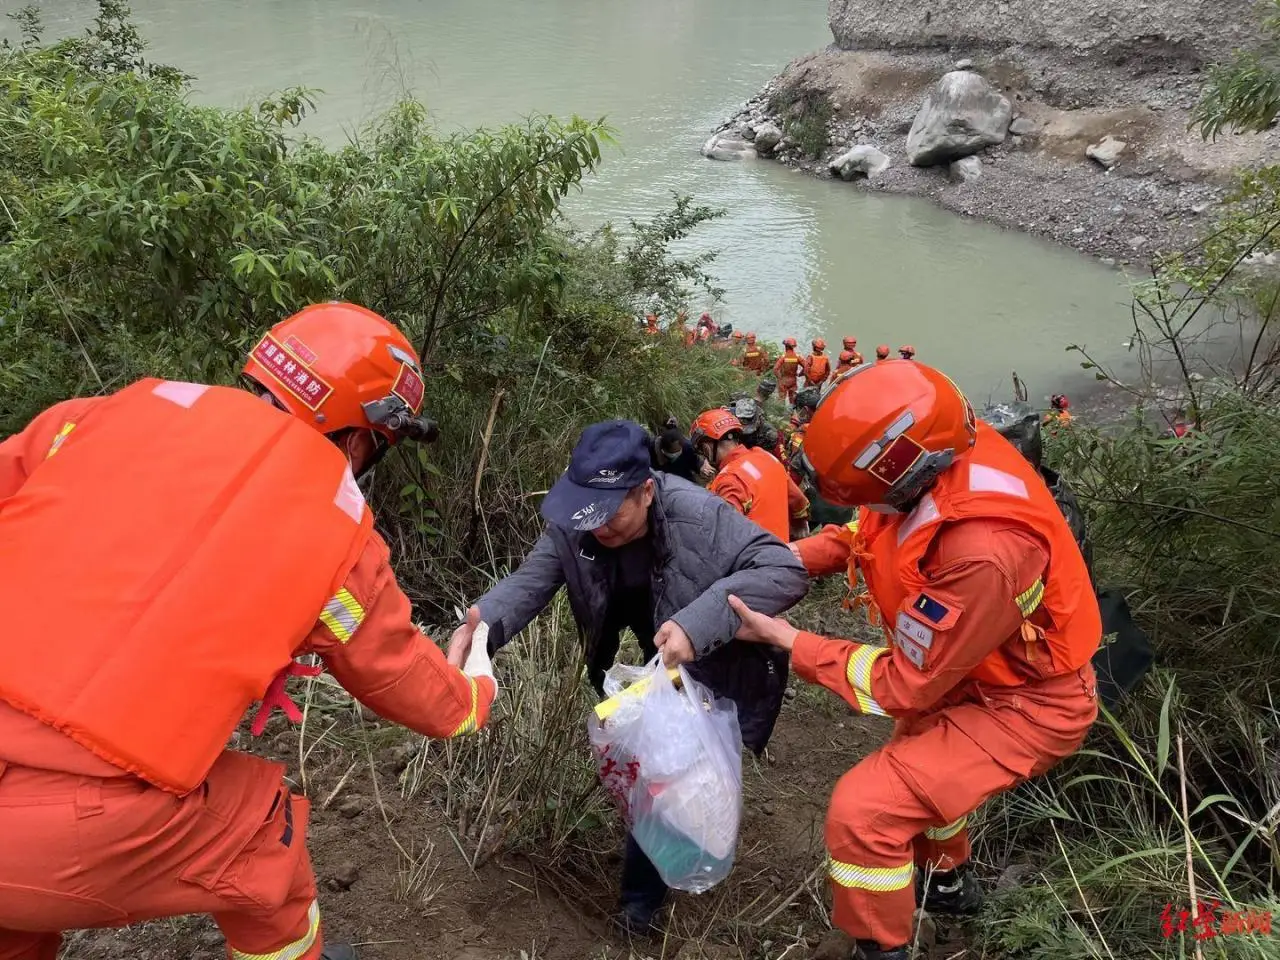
468	725
942	848
303	948
934	772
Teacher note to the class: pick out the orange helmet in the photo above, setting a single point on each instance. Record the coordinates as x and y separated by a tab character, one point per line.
789	342
751	338
846	356
819	344
737	334
906	351
882	352
851	343
714	425
338	366
884	433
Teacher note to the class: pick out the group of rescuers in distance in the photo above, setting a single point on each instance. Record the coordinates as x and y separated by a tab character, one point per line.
195	541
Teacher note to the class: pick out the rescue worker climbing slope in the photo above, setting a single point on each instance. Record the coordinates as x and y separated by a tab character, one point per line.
752	481
817	365
167	551
985	599
754	359
787	370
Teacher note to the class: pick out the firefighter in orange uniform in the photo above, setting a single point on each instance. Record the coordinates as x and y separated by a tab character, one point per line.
787	370
167	551
844	366
651	325
991	622
817	365
907	352
851	344
882	353
754	359
750	479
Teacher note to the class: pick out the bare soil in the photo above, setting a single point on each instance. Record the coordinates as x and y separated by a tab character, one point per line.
1160	196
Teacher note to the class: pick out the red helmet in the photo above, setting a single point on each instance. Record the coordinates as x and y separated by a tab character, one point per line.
906	351
885	432
882	352
851	343
339	366
714	425
819	344
789	342
846	356
737	334
1059	401
751	338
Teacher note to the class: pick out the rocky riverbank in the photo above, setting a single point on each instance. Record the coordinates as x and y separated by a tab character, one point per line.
1033	125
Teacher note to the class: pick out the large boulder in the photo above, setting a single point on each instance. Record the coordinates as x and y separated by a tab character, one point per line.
863	160
767	137
723	147
962	115
1107	152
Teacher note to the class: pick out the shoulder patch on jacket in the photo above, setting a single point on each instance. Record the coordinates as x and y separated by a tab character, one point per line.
918	624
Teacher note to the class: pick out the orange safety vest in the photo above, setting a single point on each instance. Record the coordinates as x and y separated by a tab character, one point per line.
766	480
993	480
163	564
789	364
818	368
753	359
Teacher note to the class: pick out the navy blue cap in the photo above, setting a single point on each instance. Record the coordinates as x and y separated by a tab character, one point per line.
610	460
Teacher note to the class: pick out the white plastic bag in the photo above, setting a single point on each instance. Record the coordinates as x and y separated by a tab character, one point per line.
671	758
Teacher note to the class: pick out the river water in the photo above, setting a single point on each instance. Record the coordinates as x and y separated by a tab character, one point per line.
798	256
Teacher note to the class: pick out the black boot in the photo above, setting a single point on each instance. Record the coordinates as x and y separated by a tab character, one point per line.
954	892
643	895
338	951
870	950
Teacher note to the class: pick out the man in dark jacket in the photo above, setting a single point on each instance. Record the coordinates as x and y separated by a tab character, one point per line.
660	555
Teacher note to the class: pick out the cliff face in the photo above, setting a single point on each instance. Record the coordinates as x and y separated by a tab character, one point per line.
1192	31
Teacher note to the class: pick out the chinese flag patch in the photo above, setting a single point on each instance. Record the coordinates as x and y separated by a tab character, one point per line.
409	388
891	465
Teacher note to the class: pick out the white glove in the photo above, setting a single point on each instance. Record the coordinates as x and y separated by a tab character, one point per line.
478	663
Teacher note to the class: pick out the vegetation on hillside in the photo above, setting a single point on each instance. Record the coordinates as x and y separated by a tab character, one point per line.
142	235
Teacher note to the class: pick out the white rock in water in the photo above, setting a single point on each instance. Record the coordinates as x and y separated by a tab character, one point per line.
1107	152
862	160
728	148
961	115
768	136
965	169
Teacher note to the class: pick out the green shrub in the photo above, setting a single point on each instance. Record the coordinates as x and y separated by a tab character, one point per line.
806	114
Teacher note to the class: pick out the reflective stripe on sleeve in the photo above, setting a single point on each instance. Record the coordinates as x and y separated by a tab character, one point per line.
948	831
292	951
59	438
469	725
342	615
876	879
1030	598
858	673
